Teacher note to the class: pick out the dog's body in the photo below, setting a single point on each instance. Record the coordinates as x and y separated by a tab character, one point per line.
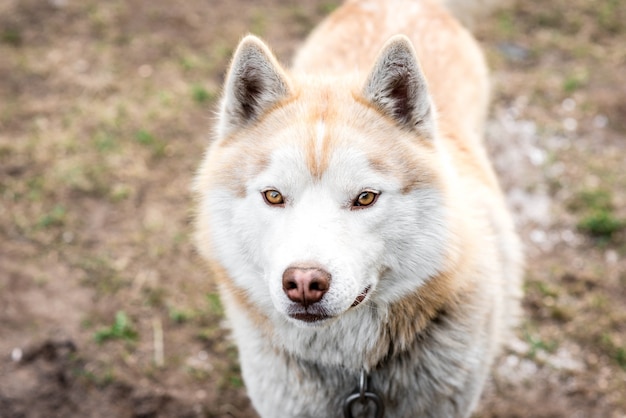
352	220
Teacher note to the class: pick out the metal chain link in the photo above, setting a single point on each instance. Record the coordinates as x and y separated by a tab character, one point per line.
363	395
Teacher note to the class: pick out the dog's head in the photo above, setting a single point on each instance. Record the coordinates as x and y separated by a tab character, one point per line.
320	194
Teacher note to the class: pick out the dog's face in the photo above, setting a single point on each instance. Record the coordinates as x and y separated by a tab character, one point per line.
321	200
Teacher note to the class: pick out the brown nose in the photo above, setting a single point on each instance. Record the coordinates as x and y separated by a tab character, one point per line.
305	285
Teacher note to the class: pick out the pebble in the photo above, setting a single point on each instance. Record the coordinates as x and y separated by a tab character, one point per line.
17	354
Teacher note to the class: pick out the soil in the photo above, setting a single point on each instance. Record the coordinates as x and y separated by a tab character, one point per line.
105	109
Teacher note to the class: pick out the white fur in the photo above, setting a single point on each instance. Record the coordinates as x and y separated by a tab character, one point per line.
402	234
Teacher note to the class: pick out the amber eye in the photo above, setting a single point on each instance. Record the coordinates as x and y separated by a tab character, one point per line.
273	197
364	199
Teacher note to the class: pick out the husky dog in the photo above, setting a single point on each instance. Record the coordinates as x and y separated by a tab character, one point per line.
356	229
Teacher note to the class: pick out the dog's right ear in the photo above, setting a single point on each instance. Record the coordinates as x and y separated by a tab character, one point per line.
255	83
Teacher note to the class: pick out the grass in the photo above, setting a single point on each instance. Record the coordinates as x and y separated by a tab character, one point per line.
144	137
105	141
154	296
574	82
601	224
537	344
591	198
230	378
11	37
506	23
35	188
180	315
546	289
100	273
215	304
611	15
328	6
120	192
85	177
157	146
620	357
614	349
56	217
596	213
102	376
201	95
121	329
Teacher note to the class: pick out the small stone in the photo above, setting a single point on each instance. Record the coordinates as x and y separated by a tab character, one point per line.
17	354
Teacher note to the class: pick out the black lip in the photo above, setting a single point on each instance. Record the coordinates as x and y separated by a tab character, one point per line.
309	314
309	317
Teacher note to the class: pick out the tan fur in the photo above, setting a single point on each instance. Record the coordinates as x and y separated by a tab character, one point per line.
412	315
236	299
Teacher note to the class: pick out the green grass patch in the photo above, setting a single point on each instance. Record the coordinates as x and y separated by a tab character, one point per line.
610	15
575	81
209	334
154	296
236	381
234	370
613	349
591	199
188	63
215	304
100	379
121	329
119	192
506	25
546	290
201	95
600	224
104	141
86	177
145	138
537	344
620	357
100	274
597	217
11	36
180	316
35	188
56	217
327	7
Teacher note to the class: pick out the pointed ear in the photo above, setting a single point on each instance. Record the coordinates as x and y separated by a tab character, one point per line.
255	82
397	87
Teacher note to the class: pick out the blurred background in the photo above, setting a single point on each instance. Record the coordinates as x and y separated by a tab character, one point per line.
105	110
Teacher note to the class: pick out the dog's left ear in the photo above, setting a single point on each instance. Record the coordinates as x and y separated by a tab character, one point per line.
397	87
254	84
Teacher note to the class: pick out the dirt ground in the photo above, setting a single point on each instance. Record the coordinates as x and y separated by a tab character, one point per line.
105	109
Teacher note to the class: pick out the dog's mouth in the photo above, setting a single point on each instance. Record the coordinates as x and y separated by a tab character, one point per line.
309	317
361	297
309	314
316	313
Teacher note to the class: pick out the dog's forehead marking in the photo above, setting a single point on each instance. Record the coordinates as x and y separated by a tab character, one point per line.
319	139
320	129
333	120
